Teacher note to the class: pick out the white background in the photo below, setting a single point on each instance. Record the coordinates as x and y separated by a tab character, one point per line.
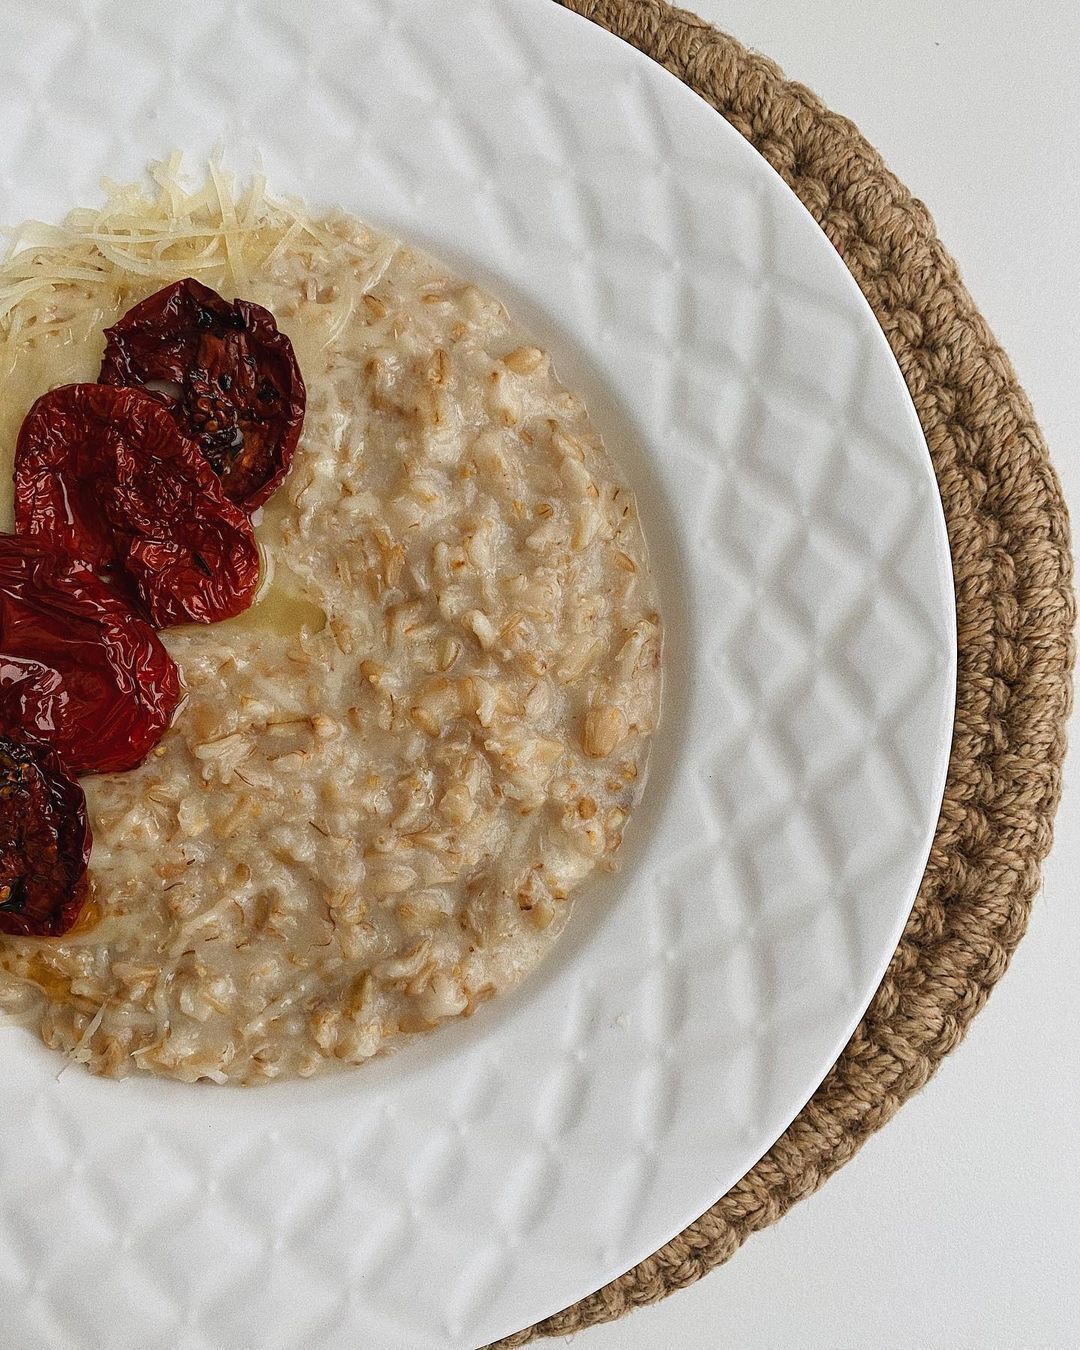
958	1225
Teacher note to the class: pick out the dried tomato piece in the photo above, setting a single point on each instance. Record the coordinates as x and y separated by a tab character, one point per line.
44	841
105	475
241	393
78	668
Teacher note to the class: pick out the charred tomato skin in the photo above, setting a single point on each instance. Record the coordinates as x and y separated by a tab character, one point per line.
239	391
44	842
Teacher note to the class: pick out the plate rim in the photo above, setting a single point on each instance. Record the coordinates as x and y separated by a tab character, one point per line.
945	737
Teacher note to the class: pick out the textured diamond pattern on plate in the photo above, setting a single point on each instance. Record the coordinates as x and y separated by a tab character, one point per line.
505	1167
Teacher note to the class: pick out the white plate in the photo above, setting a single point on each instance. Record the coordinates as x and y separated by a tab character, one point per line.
507	1166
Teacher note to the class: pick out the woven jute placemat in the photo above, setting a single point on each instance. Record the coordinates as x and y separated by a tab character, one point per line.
1009	535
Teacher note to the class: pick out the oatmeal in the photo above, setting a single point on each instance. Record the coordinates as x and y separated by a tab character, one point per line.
392	774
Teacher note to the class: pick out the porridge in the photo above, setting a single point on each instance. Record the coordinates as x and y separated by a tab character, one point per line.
392	773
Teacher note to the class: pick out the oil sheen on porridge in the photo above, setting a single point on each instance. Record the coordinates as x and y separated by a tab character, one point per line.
394	772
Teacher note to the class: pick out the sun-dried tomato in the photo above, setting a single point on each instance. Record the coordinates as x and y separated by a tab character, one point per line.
241	394
78	668
44	841
105	475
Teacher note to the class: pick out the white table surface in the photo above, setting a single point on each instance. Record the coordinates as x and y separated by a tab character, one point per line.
959	1224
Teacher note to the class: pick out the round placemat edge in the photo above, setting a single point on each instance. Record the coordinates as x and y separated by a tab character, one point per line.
1010	541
